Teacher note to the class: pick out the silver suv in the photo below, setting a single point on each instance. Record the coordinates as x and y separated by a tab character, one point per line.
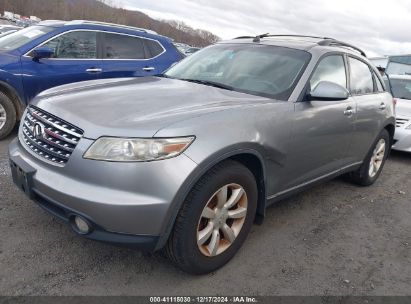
188	160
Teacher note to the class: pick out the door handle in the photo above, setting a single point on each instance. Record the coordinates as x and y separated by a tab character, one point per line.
383	106
94	70
149	69
349	111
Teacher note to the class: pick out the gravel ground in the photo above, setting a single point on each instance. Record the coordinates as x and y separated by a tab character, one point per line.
335	239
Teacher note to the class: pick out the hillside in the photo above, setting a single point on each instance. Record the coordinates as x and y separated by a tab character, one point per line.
103	11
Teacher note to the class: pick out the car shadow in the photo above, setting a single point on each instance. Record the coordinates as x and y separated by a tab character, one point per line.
403	157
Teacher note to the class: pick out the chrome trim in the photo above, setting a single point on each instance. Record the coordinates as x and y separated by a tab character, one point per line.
97	31
312	181
40	133
77	22
96	70
61	128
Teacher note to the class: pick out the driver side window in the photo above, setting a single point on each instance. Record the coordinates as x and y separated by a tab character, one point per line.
332	69
74	45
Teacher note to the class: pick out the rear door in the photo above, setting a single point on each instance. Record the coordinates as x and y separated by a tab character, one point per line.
322	130
371	106
129	56
75	59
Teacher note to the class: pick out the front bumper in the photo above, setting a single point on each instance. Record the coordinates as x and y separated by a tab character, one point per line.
402	140
126	203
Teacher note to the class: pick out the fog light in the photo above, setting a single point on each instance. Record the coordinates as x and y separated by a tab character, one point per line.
81	225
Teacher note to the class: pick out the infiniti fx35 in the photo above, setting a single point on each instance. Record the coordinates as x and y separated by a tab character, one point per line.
186	161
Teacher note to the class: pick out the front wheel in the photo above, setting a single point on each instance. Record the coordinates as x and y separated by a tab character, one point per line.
372	166
7	116
215	219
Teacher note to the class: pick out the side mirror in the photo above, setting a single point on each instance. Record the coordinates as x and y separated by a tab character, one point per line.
42	52
326	90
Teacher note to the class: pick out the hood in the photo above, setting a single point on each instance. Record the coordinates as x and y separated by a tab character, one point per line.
403	107
136	107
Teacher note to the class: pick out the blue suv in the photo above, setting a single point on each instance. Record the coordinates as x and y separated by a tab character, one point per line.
54	53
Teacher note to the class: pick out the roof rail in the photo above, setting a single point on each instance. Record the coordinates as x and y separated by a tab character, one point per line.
334	42
324	41
244	37
258	37
112	24
46	22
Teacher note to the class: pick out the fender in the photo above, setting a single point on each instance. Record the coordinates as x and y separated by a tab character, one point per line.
226	153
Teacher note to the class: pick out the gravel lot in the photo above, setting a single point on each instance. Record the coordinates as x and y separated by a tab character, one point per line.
335	239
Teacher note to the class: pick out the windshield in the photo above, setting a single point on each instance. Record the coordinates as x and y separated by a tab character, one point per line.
20	38
401	88
263	70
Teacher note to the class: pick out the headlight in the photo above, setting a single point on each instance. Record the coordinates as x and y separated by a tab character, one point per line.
137	149
409	127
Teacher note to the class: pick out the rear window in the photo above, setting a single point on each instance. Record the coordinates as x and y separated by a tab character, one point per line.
118	46
154	47
361	81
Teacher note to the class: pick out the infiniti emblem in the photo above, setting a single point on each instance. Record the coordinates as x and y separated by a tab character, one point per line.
38	130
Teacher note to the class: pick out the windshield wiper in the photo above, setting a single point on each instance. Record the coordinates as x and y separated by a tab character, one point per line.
209	83
162	76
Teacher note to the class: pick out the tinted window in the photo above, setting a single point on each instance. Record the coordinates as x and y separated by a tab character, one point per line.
332	69
361	81
153	47
75	45
263	70
123	47
20	38
401	88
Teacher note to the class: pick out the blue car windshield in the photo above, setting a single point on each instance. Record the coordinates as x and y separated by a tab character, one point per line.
263	70
20	38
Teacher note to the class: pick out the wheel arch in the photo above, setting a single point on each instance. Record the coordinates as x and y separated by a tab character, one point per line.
390	127
10	92
250	158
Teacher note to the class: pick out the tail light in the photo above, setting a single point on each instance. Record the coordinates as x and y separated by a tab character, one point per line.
394	101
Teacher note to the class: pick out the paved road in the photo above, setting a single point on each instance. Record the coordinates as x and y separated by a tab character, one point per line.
336	239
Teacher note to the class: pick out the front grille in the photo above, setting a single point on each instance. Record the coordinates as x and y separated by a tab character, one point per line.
49	136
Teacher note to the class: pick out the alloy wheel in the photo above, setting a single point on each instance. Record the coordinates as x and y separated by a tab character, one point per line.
222	220
3	116
377	158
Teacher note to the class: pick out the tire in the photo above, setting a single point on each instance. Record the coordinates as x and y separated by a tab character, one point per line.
363	176
8	112
182	247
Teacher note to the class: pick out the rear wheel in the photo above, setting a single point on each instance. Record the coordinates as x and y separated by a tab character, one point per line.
372	166
215	219
7	116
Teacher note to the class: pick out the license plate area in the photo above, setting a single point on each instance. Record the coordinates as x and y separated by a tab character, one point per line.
22	176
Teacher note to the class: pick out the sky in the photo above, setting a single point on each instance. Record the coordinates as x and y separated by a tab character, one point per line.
379	27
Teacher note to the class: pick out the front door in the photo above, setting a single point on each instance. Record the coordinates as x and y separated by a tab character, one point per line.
322	130
74	60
